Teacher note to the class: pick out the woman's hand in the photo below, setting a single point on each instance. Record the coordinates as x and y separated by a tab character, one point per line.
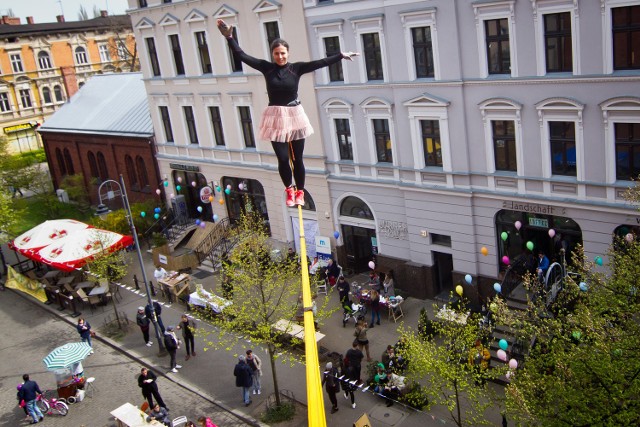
349	55
225	30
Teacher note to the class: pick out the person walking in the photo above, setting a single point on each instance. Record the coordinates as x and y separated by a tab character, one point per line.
332	385
375	307
188	327
147	382
172	344
361	337
244	378
255	364
343	290
354	355
284	121
29	392
157	308
84	329
143	321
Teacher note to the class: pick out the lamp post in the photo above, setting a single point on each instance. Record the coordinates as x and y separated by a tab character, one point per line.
103	210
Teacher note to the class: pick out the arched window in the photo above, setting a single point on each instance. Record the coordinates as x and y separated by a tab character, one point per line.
131	172
354	207
46	95
81	55
143	177
57	92
102	167
44	61
68	162
60	159
93	165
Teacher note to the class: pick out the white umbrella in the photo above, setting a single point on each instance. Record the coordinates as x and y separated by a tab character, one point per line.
29	242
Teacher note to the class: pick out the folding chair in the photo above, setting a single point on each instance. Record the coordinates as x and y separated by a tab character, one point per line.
179	421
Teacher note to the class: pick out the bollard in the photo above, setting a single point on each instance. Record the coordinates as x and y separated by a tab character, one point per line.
135	280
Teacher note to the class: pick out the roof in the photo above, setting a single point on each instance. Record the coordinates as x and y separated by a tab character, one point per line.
108	104
101	22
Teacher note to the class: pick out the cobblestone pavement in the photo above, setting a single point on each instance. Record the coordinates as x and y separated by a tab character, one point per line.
29	332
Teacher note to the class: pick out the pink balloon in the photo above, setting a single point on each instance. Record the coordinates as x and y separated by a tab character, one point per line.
505	260
193	183
372	265
502	355
629	237
241	186
179	179
518	224
552	232
158	191
513	363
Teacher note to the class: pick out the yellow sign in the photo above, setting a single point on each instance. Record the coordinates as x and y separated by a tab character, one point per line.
28	286
16	128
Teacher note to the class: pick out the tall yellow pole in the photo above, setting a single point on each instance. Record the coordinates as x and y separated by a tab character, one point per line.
315	401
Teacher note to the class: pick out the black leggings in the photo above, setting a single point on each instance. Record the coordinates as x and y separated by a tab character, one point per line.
284	169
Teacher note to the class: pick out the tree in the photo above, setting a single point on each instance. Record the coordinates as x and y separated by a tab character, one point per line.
82	14
8	216
75	188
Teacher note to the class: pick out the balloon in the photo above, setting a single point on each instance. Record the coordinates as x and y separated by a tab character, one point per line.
459	290
158	191
504	236
197	222
513	363
584	287
518	224
552	232
215	217
502	355
178	188
503	344
166	183
210	199
629	237
372	265
484	251
199	208
241	186
508	375
530	246
143	214
203	224
157	210
172	195
229	187
598	260
467	278
497	287
156	216
193	183
179	179
505	260
221	201
218	189
227	191
336	234
576	335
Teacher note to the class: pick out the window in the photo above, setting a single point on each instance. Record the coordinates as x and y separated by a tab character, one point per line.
103	50
44	62
272	32
343	136
332	47
142	3
177	54
497	42
153	56
81	55
102	167
382	138
423	51
191	124
25	98
60	160
203	52
4	102
166	123
562	138
216	123
57	92
626	37
430	130
131	173
557	42
122	51
627	140
142	172
46	95
372	56
68	162
440	239
504	145
93	165
247	127
16	63
236	64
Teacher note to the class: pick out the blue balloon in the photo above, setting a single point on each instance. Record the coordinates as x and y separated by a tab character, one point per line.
497	287
215	217
199	208
467	278
336	234
584	287
197	222
157	210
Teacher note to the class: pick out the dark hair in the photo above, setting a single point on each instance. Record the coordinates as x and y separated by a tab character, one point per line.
25	377
278	42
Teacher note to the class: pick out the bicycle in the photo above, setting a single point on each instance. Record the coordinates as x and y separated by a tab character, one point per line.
51	406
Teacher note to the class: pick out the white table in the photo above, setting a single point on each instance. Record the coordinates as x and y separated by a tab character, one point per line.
129	415
99	290
293	329
452	316
216	303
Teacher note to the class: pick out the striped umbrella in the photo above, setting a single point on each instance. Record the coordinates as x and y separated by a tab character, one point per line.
66	355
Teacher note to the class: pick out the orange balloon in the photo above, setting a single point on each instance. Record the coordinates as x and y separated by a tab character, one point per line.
210	198
484	251
221	201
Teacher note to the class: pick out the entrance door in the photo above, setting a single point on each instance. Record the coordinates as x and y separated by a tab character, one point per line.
358	245
442	277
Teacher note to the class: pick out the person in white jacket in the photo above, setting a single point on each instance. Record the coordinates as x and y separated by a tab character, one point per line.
255	364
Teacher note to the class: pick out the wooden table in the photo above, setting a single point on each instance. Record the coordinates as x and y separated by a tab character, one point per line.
176	283
129	415
293	329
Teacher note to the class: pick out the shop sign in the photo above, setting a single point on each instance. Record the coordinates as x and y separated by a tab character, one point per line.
374	245
323	249
181	167
205	193
16	128
533	208
393	229
539	222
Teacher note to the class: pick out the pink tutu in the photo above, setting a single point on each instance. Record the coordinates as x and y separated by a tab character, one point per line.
284	124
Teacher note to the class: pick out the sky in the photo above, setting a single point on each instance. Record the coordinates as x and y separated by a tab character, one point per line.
47	10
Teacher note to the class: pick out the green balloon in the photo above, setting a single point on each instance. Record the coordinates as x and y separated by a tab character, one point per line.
178	188
530	246
504	235
143	214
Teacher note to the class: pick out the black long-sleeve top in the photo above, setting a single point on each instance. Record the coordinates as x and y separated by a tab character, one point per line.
282	81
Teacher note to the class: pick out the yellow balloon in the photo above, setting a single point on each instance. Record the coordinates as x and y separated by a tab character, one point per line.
221	201
210	198
484	251
459	290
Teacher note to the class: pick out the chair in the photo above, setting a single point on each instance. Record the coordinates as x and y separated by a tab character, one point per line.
179	421
89	387
92	301
144	407
115	291
321	287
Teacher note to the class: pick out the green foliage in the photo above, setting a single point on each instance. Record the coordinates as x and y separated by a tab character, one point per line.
74	186
31	212
279	413
158	239
111	266
117	220
8	216
426	329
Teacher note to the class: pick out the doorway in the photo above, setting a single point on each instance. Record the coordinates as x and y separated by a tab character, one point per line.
442	273
359	249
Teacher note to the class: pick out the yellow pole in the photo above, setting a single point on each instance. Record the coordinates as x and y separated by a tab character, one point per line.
315	401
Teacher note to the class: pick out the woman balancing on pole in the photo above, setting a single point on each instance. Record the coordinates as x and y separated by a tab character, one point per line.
284	121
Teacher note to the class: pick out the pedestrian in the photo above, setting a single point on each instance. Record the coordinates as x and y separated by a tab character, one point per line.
28	392
375	307
343	290
172	344
147	382
255	364
143	321
205	422
244	378
84	329
332	385
388	285
188	327
348	381
543	266
332	271
361	337
354	355
158	413
284	121
157	310
159	273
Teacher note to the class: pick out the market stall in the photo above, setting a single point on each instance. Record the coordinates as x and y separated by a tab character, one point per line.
66	364
175	285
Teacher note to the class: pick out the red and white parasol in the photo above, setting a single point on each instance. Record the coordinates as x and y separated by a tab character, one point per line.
30	242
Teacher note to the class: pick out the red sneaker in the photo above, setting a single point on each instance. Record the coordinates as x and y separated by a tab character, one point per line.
300	198
291	195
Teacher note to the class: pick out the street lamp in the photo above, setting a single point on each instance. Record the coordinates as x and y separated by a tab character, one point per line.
103	210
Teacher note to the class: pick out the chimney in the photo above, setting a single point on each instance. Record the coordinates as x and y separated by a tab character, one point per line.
60	18
30	20
69	79
104	13
8	20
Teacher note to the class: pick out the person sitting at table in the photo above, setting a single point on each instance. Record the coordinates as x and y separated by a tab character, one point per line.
160	273
159	413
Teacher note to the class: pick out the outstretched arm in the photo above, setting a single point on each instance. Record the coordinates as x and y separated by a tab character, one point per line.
307	67
227	32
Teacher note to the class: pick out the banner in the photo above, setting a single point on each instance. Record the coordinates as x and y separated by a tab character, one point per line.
323	249
22	283
310	231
